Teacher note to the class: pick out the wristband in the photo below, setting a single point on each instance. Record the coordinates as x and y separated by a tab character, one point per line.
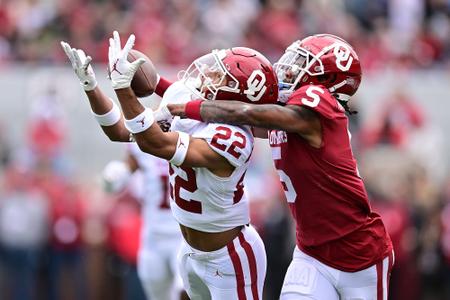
162	114
182	148
192	110
141	122
111	117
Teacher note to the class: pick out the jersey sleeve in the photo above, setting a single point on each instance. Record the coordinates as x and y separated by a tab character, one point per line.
318	99
232	142
162	86
177	93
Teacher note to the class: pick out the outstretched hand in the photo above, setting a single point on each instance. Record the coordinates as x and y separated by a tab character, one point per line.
121	71
81	64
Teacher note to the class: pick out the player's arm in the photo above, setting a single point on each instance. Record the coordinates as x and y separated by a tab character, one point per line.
289	118
101	106
178	148
105	111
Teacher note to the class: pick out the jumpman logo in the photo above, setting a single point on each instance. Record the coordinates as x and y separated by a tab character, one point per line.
181	144
114	68
217	274
141	121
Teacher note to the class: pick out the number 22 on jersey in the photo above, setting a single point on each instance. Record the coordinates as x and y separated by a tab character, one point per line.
186	180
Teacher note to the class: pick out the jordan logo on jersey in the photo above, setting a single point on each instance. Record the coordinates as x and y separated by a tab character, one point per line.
277	137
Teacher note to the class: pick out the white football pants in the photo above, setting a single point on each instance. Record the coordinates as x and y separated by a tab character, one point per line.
234	272
308	278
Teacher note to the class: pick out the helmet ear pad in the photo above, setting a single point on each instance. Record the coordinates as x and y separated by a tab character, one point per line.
327	79
324	79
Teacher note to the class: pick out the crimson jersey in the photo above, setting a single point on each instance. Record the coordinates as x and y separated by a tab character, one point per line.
326	195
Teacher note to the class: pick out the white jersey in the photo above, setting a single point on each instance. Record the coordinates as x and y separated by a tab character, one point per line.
200	199
157	217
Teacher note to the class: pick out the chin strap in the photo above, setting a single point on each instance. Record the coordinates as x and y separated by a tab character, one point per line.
342	98
337	86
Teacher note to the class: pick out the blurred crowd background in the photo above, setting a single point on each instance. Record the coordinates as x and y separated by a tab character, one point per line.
62	237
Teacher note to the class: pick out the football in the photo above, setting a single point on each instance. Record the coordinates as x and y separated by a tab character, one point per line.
145	79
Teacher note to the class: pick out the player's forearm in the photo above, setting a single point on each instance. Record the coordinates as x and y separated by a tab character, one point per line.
152	140
156	142
229	112
131	107
234	112
101	105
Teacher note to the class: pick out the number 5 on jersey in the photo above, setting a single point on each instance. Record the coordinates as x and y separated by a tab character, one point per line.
313	94
288	187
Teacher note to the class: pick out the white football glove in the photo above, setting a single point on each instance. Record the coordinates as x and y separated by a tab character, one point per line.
163	114
121	71
163	118
115	176
81	64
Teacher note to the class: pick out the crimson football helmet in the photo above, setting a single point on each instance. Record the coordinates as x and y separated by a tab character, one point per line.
322	59
238	73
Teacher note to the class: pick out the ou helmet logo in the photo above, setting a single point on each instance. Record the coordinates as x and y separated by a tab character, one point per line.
256	86
343	57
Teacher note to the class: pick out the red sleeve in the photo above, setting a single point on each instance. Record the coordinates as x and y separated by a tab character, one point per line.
162	86
318	99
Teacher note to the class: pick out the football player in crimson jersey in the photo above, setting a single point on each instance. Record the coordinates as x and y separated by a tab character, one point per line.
222	257
343	250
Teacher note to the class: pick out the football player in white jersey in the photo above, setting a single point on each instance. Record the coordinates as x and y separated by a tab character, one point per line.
222	256
160	233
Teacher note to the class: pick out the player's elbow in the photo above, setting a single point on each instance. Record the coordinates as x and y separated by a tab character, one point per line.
114	138
115	134
153	147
